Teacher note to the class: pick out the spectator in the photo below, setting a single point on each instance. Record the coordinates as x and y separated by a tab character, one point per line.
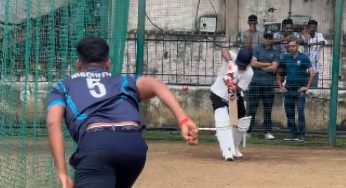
312	42
280	39
265	63
298	80
251	38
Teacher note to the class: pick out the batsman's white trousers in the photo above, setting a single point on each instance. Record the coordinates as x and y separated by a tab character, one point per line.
224	132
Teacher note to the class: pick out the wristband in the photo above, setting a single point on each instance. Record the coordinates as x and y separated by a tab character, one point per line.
184	121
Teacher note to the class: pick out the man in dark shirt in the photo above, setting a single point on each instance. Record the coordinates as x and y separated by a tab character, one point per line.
102	115
298	80
264	63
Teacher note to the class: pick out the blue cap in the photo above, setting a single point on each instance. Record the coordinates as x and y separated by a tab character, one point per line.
244	57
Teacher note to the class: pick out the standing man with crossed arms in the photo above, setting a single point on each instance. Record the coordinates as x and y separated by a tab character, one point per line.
101	112
265	63
238	65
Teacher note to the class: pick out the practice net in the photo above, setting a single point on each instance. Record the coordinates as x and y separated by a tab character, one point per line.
38	39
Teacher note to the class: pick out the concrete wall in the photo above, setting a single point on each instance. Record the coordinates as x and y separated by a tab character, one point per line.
185	57
197	104
177	15
181	15
194	99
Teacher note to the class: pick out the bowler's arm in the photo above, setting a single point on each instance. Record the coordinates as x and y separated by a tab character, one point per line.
56	142
149	87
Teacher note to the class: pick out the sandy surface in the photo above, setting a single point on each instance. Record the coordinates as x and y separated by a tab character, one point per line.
180	165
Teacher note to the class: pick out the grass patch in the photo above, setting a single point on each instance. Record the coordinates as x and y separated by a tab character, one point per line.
257	139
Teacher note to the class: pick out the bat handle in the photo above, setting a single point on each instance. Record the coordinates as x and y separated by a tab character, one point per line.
231	92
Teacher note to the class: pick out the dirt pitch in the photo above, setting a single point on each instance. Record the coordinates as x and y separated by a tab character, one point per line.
179	165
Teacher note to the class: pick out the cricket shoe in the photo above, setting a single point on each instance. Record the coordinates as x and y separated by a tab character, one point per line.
237	154
229	158
269	136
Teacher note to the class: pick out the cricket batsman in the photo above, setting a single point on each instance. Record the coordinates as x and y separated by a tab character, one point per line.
233	77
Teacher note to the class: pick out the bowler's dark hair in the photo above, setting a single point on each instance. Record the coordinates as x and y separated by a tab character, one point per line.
312	22
287	21
93	50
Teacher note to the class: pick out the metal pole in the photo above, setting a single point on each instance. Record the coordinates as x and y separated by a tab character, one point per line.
335	73
120	33
140	37
290	9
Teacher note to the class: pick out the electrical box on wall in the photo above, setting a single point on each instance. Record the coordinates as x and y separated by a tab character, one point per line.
299	22
207	24
272	26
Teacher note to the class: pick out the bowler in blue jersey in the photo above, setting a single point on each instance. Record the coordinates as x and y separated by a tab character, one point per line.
102	115
299	77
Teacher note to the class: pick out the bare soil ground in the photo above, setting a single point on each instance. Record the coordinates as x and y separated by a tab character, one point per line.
171	164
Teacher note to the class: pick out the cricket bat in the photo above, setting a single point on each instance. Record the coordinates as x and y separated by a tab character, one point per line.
232	95
233	108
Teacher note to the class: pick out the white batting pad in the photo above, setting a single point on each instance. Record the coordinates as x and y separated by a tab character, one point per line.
224	132
240	130
244	123
226	141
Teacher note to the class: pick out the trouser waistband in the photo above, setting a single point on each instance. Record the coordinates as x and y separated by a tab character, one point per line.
125	128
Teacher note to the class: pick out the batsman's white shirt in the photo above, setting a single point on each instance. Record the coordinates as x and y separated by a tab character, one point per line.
243	78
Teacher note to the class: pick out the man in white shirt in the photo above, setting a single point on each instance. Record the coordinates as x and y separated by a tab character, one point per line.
238	65
312	45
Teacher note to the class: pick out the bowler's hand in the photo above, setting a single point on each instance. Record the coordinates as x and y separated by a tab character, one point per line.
66	181
189	132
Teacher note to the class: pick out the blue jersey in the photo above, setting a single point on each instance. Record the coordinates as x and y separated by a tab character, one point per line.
95	96
297	74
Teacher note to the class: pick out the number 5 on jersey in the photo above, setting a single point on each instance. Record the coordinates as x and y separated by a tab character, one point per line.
96	88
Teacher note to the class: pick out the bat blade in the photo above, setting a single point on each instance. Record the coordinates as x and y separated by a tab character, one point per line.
233	112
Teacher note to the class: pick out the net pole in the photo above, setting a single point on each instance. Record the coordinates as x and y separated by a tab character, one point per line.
335	73
4	63
120	33
140	37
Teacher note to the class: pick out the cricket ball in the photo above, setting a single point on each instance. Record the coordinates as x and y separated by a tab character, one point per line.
185	89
